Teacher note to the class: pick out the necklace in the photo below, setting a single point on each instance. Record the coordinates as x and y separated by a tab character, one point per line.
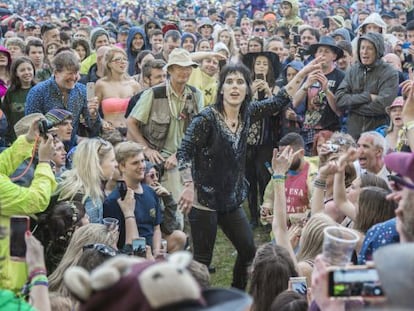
233	123
178	113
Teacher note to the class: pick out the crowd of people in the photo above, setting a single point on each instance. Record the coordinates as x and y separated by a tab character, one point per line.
131	131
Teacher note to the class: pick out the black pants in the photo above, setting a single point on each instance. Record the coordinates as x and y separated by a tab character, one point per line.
236	227
258	176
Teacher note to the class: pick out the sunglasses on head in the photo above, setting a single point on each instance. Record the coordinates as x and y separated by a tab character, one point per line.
103	142
101	248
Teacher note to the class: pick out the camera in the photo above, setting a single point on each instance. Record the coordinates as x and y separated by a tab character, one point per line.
44	127
359	281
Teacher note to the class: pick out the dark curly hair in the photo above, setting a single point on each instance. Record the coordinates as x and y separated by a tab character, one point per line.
55	229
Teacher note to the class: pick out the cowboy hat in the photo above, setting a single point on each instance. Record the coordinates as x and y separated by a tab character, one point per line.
329	42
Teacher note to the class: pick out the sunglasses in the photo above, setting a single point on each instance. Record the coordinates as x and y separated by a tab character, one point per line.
103	143
120	60
399	182
260	29
101	248
153	175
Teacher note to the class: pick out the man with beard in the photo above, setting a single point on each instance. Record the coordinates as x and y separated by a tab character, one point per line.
299	180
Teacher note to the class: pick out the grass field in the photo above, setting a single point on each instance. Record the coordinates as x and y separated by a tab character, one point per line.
225	256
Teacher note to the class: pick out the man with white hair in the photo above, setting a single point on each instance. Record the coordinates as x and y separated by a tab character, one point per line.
372	147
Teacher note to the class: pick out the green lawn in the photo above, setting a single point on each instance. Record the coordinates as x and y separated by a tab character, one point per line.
225	256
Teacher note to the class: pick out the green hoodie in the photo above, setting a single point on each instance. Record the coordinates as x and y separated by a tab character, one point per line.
293	19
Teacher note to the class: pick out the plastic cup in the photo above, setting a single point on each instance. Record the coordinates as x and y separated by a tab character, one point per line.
111	223
338	244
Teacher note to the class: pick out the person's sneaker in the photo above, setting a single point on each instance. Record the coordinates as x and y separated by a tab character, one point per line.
211	269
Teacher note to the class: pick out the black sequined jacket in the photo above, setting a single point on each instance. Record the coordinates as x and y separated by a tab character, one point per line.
217	157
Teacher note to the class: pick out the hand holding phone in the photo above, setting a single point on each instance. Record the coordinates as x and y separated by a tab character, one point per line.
354	281
299	285
18	227
296	39
90	90
139	246
122	188
260	76
326	22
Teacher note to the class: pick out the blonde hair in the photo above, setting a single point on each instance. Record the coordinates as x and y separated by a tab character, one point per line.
126	150
88	234
311	240
232	44
86	175
109	56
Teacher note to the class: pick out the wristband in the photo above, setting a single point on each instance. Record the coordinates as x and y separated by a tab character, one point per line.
39	283
42	278
36	272
319	183
279	177
128	217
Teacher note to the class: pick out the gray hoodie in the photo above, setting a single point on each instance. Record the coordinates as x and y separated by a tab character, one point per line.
380	78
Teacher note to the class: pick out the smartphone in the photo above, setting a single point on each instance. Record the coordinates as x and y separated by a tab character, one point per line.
299	285
260	94
138	246
296	39
18	227
90	90
260	76
122	188
326	22
357	281
295	29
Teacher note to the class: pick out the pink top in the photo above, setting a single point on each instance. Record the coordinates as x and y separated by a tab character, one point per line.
114	105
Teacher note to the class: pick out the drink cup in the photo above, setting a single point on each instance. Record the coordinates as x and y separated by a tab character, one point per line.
338	244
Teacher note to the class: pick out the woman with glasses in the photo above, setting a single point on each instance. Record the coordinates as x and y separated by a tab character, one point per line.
93	164
169	227
115	89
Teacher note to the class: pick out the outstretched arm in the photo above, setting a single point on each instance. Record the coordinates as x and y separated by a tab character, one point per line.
280	165
339	192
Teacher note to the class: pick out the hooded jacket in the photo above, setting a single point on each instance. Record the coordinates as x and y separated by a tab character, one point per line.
154	21
17	200
133	54
361	81
293	19
374	18
343	32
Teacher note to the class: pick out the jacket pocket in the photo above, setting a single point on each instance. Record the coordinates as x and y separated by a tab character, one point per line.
159	126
